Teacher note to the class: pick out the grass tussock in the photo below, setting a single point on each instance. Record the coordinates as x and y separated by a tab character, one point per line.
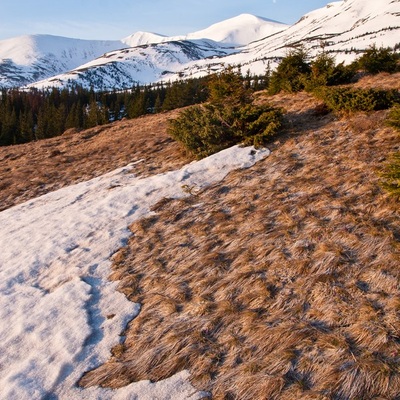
283	283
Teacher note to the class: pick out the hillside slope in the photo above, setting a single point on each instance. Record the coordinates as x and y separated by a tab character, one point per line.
344	28
32	58
33	169
281	281
137	65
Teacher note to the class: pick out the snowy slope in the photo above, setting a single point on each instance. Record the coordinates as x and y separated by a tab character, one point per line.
345	28
141	38
153	57
26	59
240	30
137	65
60	315
237	31
341	26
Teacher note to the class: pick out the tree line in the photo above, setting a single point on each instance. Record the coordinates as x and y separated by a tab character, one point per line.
38	114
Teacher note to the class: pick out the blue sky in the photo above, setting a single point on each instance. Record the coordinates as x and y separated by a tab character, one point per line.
116	19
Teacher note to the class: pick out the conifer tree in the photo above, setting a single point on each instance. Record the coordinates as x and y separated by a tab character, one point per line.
27	127
172	99
41	126
376	60
92	115
290	74
72	118
229	117
10	128
158	104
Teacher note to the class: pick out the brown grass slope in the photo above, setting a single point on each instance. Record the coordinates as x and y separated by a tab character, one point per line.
280	283
33	169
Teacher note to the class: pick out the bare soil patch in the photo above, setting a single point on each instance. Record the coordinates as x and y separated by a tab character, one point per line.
282	282
33	169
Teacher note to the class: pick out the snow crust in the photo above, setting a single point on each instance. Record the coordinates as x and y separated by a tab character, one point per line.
60	315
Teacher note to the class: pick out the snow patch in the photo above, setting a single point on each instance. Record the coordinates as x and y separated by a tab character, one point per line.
60	315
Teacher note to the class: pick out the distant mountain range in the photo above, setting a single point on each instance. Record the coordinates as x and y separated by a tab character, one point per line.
344	28
237	31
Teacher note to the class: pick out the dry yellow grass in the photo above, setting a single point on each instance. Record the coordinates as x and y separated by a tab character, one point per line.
280	283
33	169
383	80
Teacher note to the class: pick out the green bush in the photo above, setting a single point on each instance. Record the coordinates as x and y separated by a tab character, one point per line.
321	69
376	60
391	175
291	73
350	99
207	129
200	131
325	72
394	117
228	89
342	74
229	117
257	124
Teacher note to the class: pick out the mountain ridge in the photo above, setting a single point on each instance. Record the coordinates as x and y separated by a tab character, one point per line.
40	56
345	28
246	28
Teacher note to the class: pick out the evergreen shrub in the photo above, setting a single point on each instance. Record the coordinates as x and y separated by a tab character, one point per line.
325	72
391	173
343	99
376	60
229	117
206	129
342	74
291	74
394	117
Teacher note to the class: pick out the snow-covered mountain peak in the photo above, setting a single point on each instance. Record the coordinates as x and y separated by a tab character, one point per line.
239	30
345	10
236	31
141	38
20	49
